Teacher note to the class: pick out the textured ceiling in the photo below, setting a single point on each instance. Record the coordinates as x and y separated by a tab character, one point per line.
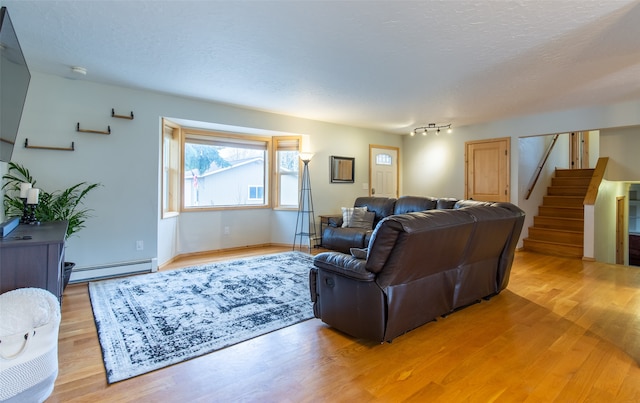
388	65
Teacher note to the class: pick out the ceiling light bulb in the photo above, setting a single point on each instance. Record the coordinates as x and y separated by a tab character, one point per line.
79	70
424	133
438	132
449	131
412	133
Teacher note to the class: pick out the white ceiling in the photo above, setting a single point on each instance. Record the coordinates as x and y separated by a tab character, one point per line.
388	65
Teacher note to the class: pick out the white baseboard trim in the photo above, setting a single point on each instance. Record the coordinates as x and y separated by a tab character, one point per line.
84	274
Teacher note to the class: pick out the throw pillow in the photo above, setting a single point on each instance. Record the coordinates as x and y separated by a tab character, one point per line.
348	213
359	253
363	220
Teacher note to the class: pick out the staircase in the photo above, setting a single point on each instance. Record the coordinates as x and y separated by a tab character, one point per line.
558	229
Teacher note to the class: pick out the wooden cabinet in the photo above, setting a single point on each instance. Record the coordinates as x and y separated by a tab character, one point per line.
634	249
634	224
33	256
634	216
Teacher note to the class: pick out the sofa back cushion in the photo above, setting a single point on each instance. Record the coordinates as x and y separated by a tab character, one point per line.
471	203
404	247
478	274
446	203
411	204
382	206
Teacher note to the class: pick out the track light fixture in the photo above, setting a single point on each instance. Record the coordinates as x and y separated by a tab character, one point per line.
430	126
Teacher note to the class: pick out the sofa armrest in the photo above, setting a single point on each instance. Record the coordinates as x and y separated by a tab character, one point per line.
334	221
383	241
343	239
344	265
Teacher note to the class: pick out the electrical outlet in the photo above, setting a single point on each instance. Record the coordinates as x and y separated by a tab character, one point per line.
139	245
227	231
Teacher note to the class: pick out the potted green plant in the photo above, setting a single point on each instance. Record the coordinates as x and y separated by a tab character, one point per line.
61	205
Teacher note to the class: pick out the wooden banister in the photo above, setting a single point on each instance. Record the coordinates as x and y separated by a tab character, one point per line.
596	179
539	169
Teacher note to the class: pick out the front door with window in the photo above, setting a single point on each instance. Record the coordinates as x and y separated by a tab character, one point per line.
383	171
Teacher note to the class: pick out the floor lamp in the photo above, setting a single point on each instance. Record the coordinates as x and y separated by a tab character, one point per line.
306	222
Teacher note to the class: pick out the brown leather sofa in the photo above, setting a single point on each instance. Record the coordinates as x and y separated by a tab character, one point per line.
337	238
418	266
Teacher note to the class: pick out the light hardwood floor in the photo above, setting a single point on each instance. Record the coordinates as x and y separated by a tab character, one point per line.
564	330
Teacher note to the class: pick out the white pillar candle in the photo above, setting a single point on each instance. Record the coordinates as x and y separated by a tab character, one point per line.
24	189
32	196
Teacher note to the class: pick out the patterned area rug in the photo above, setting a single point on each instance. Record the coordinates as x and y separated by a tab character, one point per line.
154	320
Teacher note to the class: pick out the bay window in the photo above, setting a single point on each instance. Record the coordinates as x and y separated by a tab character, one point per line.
222	170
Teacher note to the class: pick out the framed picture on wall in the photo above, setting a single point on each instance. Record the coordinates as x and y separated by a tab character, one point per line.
342	169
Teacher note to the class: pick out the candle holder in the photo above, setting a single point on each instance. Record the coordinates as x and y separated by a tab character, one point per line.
25	211
32	202
25	187
31	220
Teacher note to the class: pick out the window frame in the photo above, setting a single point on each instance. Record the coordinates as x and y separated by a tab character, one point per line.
258	189
272	180
230	138
170	169
285	143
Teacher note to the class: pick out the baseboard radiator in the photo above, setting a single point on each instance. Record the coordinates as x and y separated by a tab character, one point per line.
90	273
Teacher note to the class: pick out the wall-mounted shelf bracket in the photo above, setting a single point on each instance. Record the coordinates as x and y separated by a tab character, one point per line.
108	131
27	145
113	115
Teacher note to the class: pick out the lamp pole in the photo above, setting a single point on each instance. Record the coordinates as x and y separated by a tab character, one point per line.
305	222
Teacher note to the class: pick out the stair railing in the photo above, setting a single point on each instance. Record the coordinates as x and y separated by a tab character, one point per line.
596	179
589	240
536	176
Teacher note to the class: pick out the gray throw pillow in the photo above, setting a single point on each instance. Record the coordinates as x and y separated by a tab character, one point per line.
363	220
359	253
348	214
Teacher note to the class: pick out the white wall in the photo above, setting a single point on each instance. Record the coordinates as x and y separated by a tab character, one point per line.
622	146
126	163
594	147
434	165
605	220
420	165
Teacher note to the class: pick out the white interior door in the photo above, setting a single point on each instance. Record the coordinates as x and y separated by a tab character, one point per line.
383	171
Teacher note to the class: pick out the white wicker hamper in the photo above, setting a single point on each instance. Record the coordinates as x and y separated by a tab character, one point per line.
29	323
